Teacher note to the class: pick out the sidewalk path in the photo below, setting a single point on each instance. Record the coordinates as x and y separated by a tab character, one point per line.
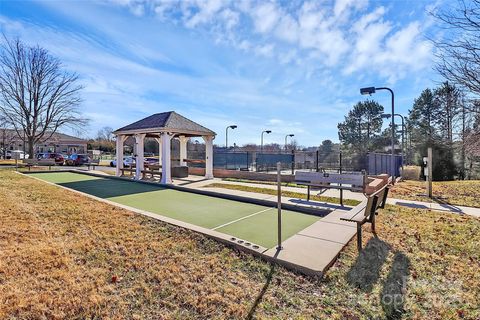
444	207
203	184
327	193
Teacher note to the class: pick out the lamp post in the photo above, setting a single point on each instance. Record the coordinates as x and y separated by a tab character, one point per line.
226	134
288	135
261	144
386	116
370	91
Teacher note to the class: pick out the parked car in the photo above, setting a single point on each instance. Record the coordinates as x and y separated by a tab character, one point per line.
77	159
6	154
59	159
151	161
127	161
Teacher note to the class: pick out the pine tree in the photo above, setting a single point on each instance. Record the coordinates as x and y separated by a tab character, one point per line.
421	118
361	126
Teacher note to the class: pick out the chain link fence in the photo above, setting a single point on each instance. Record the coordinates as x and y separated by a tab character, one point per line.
299	160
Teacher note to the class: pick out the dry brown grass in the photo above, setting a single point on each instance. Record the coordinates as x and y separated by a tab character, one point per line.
65	256
8	161
411	172
462	193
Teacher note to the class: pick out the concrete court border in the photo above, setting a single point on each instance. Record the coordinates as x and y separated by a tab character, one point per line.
240	244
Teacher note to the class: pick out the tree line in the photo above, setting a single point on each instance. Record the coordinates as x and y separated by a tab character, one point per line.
446	118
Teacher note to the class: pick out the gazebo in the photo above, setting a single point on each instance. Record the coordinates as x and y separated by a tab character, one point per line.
164	127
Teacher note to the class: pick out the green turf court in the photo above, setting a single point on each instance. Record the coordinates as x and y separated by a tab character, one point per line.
254	223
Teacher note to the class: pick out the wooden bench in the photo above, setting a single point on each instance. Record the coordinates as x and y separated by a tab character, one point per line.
29	163
321	180
129	169
150	169
93	163
366	212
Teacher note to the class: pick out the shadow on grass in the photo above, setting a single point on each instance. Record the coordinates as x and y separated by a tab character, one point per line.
392	296
108	188
259	298
366	270
447	206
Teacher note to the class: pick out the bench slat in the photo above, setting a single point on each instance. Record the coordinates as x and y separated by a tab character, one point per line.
340	178
328	186
341	181
35	162
356	212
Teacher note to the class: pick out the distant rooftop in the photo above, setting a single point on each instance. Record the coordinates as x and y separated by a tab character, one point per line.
57	136
166	122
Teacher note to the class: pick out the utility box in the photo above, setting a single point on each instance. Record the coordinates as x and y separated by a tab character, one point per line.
425	166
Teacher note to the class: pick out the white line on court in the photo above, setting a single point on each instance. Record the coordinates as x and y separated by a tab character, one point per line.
242	218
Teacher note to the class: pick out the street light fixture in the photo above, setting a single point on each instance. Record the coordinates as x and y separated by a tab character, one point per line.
226	134
367	90
288	135
370	91
261	145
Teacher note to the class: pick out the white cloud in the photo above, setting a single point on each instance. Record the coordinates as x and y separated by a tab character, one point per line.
288	57
343	6
345	34
275	122
138	10
230	17
265	50
288	29
265	17
206	11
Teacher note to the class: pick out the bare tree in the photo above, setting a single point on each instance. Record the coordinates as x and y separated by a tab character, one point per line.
459	51
105	134
37	97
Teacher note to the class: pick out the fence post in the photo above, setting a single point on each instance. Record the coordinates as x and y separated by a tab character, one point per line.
293	161
340	171
340	162
226	160
279	206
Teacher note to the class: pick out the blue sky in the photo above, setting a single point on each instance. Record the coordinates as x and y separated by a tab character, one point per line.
288	66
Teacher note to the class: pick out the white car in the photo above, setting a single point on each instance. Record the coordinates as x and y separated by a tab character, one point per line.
127	161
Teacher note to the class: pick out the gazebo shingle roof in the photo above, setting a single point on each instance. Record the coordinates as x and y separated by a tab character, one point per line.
166	121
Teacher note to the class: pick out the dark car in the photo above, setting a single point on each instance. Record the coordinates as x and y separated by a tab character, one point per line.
59	159
77	160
